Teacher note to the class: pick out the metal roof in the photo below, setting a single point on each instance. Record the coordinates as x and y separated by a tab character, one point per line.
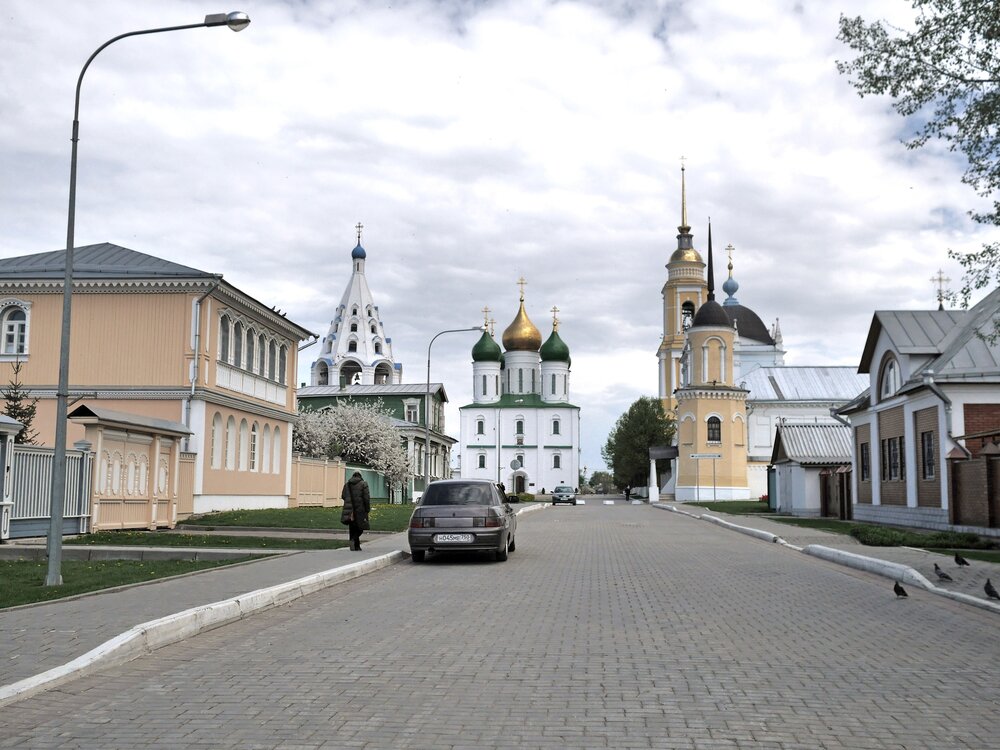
97	262
392	389
812	443
831	384
126	420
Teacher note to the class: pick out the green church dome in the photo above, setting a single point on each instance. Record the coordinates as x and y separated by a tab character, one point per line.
554	349
486	349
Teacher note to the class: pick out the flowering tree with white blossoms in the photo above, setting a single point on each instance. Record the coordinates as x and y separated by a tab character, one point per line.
359	432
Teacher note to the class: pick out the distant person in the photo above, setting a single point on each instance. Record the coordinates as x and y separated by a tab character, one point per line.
357	506
628	493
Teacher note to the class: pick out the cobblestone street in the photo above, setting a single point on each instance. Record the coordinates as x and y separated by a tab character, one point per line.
618	627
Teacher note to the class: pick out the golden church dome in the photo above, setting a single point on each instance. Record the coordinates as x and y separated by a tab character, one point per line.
521	335
688	254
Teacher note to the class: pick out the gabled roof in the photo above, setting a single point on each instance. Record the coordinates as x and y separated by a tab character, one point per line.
111	418
910	331
830	384
388	389
812	444
104	261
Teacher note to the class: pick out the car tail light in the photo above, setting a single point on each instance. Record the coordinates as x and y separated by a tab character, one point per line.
493	521
418	522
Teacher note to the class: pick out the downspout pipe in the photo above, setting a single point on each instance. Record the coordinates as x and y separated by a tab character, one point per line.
197	356
933	388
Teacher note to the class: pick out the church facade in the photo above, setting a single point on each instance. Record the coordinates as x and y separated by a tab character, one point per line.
723	378
521	429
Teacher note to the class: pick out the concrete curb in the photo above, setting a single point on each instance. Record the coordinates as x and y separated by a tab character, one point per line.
884	568
155	554
148	636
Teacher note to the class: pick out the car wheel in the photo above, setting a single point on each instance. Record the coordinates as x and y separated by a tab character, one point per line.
501	554
574	502
513	544
417	555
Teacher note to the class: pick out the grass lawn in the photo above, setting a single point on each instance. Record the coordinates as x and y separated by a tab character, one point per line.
986	555
22	581
823	524
159	539
734	506
384	517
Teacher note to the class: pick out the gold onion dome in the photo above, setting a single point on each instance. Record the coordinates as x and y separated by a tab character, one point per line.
521	335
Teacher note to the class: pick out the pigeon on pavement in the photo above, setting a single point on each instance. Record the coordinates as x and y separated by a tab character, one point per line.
941	574
990	590
900	591
961	561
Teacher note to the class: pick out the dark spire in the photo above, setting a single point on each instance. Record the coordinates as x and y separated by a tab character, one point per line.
711	270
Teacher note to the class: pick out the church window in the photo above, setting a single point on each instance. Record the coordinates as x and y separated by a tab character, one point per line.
352	346
520	381
217	441
714	430
354	327
251	359
480	427
378	347
519	427
497	382
231	443
553	384
15	330
532	381
520	459
238	344
354	310
927	454
555	426
282	359
322	374
374	328
484	385
254	434
272	356
224	338
482	460
687	315
866	462
557	461
890	379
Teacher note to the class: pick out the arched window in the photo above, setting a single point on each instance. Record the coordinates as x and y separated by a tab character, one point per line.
272	356
238	344
276	452
555	426
352	346
251	361
482	460
261	370
378	347
714	430
15	331
374	328
889	382
553	384
282	366
484	385
231	443
556	461
254	434
687	315
322	374
217	441
519	427
266	450
244	444
354	327
354	310
480	427
224	338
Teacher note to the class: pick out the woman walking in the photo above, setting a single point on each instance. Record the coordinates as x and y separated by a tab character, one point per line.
357	506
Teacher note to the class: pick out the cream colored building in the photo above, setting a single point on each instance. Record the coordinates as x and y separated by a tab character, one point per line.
158	343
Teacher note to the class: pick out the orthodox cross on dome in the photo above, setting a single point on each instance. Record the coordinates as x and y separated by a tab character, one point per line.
940	279
359	227
729	249
493	325
486	315
521	282
555	318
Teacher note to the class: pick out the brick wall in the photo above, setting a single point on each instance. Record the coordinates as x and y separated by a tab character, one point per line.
928	490
970	504
980	418
863	434
890	425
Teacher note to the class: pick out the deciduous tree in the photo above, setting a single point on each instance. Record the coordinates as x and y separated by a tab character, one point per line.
626	451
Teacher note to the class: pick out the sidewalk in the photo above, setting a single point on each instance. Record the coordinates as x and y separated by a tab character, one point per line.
967	581
39	637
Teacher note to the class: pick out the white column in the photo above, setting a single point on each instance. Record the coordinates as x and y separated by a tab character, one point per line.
654	485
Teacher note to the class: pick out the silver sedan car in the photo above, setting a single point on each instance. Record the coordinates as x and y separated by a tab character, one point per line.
462	514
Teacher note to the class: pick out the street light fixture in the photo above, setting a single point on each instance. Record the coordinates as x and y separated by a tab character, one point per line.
236	21
427	402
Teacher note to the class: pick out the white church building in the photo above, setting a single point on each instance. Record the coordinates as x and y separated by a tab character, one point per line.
521	429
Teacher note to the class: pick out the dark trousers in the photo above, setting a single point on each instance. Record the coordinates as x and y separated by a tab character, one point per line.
354	531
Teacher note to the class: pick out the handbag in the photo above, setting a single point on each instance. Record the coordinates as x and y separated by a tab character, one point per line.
346	517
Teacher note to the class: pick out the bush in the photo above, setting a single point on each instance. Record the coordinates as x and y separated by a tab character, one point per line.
879	536
525	497
882	536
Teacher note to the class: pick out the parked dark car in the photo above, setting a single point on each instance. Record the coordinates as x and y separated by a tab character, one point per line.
462	514
563	494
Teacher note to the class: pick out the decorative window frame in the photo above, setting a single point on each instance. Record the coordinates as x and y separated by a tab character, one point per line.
8	305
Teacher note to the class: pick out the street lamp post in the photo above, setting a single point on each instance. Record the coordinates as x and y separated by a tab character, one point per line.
236	21
427	402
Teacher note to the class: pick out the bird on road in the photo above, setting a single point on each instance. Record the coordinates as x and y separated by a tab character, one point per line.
941	574
991	590
900	591
961	561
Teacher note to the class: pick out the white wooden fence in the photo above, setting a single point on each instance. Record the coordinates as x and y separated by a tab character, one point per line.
31	474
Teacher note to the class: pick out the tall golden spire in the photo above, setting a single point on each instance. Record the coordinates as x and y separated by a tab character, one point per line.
684	228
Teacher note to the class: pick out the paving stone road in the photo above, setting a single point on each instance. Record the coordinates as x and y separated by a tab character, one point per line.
623	627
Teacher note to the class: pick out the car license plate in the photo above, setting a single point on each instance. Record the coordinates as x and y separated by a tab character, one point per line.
452	538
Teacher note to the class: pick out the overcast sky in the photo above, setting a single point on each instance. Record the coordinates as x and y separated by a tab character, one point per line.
478	142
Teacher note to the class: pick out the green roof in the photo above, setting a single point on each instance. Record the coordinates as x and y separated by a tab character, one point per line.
486	349
554	349
521	401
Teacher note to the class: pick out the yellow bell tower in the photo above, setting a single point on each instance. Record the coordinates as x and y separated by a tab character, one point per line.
683	294
711	409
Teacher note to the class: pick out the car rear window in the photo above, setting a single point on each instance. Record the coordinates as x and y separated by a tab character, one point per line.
457	494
